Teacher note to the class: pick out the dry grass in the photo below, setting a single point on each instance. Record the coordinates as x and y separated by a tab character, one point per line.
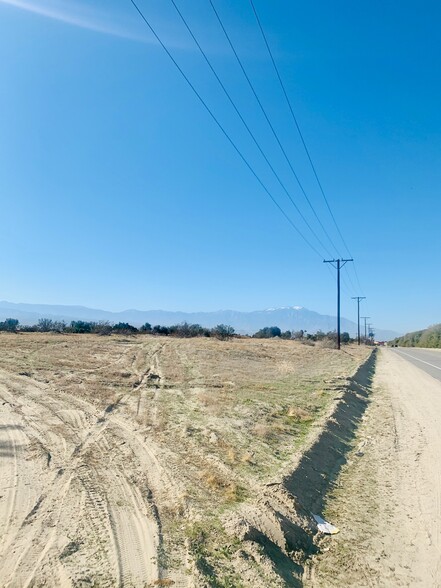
262	430
226	415
299	415
228	490
244	404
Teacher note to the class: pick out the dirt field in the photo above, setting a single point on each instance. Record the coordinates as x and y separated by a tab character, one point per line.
388	499
132	461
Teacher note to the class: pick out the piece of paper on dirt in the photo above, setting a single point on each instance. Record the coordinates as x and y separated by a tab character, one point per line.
324	526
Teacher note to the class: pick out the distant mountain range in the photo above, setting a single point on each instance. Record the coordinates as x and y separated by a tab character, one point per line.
291	318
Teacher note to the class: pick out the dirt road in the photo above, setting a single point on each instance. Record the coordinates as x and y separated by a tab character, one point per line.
388	501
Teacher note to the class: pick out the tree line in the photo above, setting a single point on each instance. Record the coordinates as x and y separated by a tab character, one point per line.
271	332
430	337
45	325
186	330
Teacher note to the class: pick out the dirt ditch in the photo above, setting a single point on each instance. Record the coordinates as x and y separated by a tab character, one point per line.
278	533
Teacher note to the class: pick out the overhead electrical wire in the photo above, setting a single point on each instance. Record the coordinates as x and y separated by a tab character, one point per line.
253	137
296	123
268	120
230	140
222	129
274	132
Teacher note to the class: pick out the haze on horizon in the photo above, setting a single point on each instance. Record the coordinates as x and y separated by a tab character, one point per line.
120	192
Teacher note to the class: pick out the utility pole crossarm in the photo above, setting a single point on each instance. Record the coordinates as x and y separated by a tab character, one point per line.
342	261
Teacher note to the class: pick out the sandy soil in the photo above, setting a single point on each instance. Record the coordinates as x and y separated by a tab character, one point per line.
71	489
122	456
388	499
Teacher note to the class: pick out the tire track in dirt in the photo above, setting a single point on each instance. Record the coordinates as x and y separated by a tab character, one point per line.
99	508
33	536
9	447
20	482
149	380
132	536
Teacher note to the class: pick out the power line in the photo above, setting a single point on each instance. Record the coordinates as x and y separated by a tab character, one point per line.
296	123
253	137
353	289
346	286
274	132
357	278
220	126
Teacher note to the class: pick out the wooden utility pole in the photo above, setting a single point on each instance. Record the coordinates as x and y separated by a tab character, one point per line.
338	264
365	327
358	298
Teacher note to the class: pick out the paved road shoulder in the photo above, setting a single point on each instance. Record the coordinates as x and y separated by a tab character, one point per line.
428	360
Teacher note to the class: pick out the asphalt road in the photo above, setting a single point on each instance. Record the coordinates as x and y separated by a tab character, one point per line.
429	360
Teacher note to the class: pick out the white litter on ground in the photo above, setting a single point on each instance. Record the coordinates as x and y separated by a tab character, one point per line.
324	526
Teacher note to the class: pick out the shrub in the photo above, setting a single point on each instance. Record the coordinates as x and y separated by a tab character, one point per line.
124	329
345	337
186	330
298	334
222	332
102	328
10	325
46	325
268	333
81	327
28	328
158	330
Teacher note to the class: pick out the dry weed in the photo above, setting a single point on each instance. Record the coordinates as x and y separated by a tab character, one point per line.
229	490
233	492
213	402
213	480
299	415
144	420
247	458
262	430
286	367
232	455
160	424
175	510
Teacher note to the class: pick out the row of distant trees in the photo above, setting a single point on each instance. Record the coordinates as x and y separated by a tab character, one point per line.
46	325
271	332
187	330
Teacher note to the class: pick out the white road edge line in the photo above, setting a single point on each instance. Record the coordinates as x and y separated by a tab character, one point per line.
421	360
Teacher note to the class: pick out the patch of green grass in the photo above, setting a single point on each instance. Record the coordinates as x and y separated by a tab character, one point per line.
213	551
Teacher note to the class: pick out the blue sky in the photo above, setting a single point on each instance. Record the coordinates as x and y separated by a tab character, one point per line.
119	191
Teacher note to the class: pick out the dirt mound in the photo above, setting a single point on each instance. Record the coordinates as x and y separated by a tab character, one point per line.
278	532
